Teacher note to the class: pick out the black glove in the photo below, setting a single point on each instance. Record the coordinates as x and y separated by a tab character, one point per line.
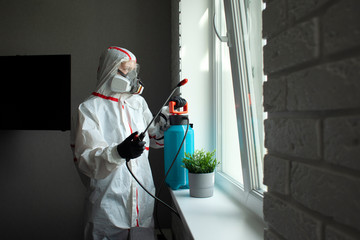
179	101
131	148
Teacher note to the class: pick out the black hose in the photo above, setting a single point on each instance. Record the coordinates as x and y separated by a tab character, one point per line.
167	173
159	200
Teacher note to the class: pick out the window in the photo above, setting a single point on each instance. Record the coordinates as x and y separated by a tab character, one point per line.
239	79
228	151
236	68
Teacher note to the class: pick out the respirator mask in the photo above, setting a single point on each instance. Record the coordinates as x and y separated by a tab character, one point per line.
127	83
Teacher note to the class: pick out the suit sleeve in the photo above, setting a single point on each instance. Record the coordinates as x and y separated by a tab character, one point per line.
156	130
94	157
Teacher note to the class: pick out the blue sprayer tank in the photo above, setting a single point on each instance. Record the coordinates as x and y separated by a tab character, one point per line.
173	136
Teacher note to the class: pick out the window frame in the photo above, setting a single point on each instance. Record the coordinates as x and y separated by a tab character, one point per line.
250	194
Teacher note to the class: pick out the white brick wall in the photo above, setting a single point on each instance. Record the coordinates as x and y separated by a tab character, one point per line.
341	26
328	86
293	137
342	141
292	221
281	50
312	96
277	174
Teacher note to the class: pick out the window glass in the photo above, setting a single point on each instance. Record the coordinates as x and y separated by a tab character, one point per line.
251	80
231	164
229	150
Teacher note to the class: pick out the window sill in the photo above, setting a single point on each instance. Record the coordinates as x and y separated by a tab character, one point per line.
216	217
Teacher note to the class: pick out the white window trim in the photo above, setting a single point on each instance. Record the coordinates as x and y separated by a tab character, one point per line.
199	216
247	194
200	91
252	200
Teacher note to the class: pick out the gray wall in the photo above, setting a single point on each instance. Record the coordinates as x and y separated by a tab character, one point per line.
42	195
312	169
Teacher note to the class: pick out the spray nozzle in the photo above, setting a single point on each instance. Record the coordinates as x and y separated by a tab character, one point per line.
182	82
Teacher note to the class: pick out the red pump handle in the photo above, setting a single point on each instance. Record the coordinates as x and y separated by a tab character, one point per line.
173	111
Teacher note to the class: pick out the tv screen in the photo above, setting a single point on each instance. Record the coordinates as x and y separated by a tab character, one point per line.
35	92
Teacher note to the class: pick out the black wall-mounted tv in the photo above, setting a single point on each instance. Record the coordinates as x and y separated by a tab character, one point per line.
35	92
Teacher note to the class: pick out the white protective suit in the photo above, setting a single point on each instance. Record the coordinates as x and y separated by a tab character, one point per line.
115	201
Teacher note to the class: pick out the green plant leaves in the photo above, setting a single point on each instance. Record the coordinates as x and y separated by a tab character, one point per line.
200	161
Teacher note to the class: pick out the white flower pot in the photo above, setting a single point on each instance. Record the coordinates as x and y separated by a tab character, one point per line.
201	184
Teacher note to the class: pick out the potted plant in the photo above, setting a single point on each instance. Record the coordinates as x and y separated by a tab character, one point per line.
201	165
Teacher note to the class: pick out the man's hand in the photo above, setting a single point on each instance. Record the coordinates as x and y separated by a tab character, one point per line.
131	148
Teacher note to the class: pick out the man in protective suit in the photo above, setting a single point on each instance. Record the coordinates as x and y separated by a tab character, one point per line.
108	122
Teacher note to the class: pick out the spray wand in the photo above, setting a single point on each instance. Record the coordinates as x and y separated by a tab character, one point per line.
181	83
141	137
